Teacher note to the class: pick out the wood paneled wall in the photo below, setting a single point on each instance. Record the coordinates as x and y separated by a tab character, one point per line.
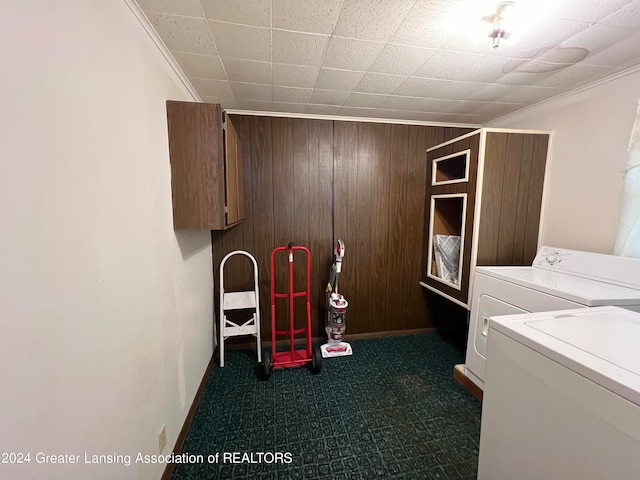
313	181
515	163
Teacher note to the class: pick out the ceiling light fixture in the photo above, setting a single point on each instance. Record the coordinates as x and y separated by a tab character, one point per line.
501	21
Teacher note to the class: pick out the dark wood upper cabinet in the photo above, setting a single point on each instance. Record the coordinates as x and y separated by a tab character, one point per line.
234	174
484	190
206	167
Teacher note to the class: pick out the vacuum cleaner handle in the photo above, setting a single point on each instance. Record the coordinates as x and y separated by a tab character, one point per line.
339	253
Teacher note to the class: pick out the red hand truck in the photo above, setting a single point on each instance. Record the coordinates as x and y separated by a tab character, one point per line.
291	358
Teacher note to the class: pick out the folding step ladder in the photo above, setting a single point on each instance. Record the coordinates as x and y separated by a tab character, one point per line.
247	300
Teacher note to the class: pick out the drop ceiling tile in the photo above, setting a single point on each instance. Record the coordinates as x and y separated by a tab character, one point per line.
355	112
524	79
291	95
364	100
471	107
494	92
225	102
391	114
331	79
585	11
448	65
559	55
415	104
207	99
418	116
457	118
298	48
633	62
400	103
184	34
573	76
515	94
250	91
543	68
416	87
457	80
257	105
188	8
565	77
212	88
431	88
380	83
620	53
328	97
255	12
289	107
480	120
323	109
400	60
454	107
200	66
243	42
247	71
371	19
349	54
313	17
493	108
598	38
547	32
294	75
628	16
423	26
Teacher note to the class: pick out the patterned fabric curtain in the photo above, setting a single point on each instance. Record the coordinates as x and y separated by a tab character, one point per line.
628	235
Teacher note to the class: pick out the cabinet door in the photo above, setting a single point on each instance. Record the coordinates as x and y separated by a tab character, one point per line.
207	182
234	174
195	150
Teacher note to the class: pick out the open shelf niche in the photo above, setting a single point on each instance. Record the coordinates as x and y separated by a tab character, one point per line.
446	238
452	168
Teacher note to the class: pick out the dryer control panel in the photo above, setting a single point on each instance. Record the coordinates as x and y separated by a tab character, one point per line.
623	271
553	257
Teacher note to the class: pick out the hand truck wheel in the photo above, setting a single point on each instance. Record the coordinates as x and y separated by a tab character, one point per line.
316	359
266	363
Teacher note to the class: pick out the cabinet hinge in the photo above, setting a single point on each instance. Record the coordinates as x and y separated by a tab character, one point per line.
224	125
226	209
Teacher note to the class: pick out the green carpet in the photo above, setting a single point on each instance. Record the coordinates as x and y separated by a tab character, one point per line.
392	410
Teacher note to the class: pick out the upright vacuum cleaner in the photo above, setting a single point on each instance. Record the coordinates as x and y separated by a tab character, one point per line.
336	311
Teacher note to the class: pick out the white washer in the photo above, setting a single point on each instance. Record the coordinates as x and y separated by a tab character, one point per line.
558	279
562	396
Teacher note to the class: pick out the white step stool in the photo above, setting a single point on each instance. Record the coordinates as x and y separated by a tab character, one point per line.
239	301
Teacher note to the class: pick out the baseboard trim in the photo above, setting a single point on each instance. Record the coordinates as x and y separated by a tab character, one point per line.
391	333
266	343
168	471
462	379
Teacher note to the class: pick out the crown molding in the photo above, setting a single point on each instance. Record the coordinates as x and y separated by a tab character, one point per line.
144	21
310	116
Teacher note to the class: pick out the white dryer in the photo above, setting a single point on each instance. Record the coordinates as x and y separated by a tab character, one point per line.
558	279
562	396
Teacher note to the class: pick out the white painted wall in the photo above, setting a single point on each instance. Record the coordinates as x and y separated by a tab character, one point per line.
105	312
585	178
